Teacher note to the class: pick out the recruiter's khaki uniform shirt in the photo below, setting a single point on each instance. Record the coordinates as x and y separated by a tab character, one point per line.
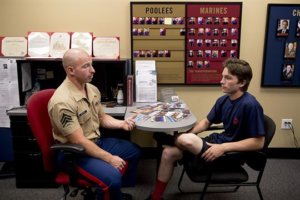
70	110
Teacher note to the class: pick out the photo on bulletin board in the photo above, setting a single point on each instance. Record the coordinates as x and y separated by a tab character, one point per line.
283	27
281	50
298	29
287	72
290	50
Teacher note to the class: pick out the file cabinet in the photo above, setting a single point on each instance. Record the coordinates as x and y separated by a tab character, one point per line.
29	170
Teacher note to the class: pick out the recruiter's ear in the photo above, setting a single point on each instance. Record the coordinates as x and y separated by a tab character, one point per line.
70	70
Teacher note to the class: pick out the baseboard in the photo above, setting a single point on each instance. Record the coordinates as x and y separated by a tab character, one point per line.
285	153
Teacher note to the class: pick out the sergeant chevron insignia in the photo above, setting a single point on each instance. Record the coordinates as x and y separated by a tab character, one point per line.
65	120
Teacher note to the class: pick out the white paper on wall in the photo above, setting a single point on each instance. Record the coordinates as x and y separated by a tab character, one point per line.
9	92
146	81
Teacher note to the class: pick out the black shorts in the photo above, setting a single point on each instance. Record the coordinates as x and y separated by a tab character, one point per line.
188	156
205	146
224	161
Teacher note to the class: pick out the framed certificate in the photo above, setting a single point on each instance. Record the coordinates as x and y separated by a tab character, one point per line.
82	40
59	44
38	44
13	46
106	47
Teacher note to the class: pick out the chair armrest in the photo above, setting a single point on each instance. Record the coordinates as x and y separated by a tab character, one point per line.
70	152
215	127
231	157
254	159
69	148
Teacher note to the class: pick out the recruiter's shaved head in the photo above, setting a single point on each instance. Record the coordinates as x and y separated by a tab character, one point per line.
71	57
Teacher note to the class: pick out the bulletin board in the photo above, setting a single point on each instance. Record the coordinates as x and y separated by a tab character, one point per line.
281	64
188	40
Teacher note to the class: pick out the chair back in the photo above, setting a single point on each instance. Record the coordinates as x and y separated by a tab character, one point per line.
39	122
270	129
257	159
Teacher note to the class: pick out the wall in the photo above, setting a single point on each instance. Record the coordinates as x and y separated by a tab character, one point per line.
111	18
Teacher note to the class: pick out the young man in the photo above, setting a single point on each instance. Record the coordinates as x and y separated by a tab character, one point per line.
76	115
241	115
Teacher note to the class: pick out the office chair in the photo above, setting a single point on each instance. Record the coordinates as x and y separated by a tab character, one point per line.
39	122
232	171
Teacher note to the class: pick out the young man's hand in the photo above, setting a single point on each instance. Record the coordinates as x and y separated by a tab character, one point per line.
213	152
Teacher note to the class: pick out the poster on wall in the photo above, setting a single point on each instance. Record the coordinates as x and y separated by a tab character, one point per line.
188	40
281	52
212	36
158	33
145	81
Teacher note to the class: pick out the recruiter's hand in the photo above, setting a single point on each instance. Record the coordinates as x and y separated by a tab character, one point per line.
129	123
212	153
117	162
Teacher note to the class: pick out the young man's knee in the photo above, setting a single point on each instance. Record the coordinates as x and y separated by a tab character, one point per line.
186	140
170	154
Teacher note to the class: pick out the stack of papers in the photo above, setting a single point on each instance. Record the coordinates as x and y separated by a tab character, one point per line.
162	112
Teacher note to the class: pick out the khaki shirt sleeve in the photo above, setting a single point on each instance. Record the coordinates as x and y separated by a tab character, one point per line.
101	110
65	118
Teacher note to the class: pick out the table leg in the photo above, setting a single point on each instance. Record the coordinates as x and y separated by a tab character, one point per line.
162	139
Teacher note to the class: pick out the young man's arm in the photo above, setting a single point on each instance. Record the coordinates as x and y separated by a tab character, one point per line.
201	126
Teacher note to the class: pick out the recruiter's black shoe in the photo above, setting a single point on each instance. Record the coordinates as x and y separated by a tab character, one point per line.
126	196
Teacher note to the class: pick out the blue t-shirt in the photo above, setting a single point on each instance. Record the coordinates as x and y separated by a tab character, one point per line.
242	118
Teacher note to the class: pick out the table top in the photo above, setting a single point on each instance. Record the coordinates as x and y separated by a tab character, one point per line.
181	125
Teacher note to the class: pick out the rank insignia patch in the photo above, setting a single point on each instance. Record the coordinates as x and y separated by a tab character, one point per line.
65	120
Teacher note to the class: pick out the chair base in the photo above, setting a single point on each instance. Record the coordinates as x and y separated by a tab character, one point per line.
208	184
216	185
87	193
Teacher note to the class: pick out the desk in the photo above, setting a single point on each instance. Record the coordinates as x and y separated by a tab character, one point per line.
118	111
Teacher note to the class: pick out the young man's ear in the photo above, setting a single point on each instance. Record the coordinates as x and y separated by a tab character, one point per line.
242	83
